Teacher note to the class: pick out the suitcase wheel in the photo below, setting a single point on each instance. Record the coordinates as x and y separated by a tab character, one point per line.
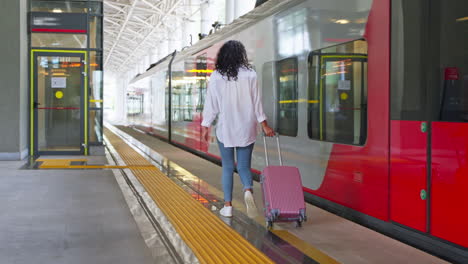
269	224
303	215
300	220
298	223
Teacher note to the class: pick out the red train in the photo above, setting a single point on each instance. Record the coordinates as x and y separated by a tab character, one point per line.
370	99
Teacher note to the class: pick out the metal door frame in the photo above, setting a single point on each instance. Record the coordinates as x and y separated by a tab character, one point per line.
33	126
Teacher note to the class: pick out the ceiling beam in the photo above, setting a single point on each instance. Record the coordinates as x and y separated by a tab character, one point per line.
127	18
174	6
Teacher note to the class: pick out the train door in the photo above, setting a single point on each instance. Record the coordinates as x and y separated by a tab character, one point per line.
429	117
58	111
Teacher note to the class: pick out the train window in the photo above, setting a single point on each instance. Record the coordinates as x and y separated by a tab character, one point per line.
134	104
202	80
431	87
408	89
268	83
337	103
287	97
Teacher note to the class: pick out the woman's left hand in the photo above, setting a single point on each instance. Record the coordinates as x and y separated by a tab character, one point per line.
205	136
269	132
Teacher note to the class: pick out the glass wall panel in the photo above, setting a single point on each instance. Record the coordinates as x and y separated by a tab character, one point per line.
95	32
95	126
95	79
53	40
95	7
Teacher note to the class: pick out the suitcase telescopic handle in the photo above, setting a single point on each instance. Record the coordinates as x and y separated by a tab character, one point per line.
277	144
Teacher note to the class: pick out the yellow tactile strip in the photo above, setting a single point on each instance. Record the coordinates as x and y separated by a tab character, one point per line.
211	240
66	164
58	162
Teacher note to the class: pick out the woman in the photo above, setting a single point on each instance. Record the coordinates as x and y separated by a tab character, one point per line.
234	97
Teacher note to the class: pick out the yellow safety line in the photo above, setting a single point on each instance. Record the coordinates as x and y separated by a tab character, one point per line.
305	247
57	160
60	161
92	167
211	240
66	164
95	101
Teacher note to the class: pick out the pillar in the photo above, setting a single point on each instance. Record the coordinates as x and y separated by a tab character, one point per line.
14	72
207	18
241	7
229	11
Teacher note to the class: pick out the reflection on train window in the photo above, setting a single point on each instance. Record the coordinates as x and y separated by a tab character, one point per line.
134	104
189	89
201	74
181	104
292	28
337	103
268	83
287	101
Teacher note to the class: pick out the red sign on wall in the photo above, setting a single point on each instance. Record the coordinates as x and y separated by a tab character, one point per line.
451	73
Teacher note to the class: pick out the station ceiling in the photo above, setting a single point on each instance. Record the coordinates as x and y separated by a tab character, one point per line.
133	27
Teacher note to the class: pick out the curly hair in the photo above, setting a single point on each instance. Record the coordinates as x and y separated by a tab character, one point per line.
231	57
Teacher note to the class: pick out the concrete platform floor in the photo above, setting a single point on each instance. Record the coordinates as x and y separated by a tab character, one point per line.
65	216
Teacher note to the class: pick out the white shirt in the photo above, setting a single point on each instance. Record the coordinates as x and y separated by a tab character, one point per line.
238	105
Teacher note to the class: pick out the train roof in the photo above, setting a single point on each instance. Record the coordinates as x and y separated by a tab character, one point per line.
265	10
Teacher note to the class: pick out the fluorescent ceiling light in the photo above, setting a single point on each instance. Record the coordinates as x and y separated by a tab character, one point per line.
57	10
342	21
360	20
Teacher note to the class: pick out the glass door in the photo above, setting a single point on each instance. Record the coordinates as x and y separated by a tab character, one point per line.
58	103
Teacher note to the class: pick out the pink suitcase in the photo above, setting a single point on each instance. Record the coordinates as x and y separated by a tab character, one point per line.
283	198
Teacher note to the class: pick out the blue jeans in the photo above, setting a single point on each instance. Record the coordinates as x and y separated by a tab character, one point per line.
244	157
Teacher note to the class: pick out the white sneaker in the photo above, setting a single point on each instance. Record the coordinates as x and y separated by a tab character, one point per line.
250	204
226	211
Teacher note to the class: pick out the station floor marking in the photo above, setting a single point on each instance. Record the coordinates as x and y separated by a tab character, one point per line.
209	237
66	164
